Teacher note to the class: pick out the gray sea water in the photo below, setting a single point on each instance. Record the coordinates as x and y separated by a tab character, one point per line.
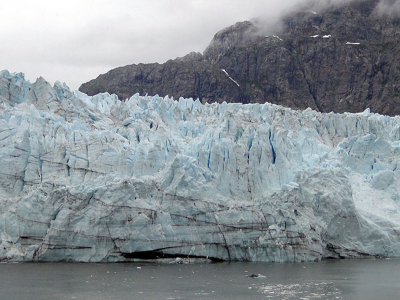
334	279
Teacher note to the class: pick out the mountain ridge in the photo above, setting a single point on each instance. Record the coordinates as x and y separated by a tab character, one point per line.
344	59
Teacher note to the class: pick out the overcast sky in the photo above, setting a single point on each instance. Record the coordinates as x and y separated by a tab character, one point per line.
75	41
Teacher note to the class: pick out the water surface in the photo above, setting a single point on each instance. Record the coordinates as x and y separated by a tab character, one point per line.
334	279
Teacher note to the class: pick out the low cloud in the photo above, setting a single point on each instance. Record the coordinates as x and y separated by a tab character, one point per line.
390	8
273	25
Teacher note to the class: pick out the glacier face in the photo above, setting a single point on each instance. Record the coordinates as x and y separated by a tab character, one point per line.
94	179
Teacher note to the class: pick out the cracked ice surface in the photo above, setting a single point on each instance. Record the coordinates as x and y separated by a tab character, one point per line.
95	179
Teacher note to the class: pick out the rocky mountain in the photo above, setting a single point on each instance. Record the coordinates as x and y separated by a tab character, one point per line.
341	58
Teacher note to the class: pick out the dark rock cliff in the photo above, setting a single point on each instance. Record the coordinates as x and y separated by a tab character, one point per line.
344	58
190	76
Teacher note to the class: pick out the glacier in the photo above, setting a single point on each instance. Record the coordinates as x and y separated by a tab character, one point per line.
96	179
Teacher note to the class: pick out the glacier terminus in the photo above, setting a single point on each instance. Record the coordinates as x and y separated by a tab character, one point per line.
95	179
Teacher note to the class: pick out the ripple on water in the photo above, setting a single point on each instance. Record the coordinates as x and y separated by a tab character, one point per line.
305	291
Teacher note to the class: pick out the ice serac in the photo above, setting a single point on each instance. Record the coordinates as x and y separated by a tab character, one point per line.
94	179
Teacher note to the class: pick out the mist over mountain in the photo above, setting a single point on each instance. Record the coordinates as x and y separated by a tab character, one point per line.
340	56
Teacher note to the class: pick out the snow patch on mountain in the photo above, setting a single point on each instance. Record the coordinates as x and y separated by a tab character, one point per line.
226	73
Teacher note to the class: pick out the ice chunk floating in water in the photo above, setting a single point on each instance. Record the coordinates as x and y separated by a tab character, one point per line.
94	179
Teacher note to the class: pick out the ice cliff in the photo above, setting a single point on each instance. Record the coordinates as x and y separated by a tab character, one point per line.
94	179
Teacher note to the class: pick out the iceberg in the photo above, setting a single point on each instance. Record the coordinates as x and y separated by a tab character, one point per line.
96	179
